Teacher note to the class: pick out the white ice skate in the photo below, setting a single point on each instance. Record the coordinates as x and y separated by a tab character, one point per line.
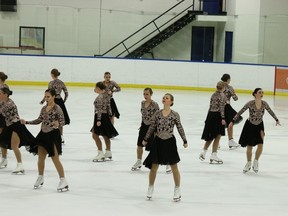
214	158
232	144
100	157
177	194
247	167
168	169
39	182
255	166
108	154
137	165
3	163
63	185
19	169
202	155
150	191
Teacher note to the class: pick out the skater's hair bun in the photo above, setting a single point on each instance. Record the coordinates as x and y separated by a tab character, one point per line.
255	91
100	85
3	76
55	72
7	91
171	98
225	77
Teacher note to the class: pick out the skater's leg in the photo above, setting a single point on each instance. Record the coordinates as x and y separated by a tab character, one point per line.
42	153
97	141
15	141
57	163
259	147
107	143
139	152
176	174
230	132
216	143
249	153
207	144
4	152
152	174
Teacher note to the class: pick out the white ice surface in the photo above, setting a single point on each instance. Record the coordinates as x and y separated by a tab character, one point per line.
111	188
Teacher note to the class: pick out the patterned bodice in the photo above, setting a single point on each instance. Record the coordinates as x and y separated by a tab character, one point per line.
229	92
163	126
49	117
58	86
255	115
217	103
9	111
112	86
102	105
148	112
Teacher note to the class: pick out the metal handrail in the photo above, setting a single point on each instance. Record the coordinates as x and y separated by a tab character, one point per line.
158	28
153	21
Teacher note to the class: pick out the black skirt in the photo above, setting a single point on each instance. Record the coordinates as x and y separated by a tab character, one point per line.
251	134
142	132
60	102
229	115
26	138
48	141
106	128
2	121
163	152
114	108
213	126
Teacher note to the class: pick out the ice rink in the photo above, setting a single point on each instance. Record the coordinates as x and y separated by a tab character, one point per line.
111	188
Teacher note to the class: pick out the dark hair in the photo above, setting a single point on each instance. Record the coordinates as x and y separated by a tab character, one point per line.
171	97
255	91
225	77
149	89
100	85
7	91
55	72
3	76
107	73
51	91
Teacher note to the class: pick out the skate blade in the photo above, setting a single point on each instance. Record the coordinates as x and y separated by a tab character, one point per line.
100	160
216	162
38	187
256	171
177	199
65	189
234	147
168	171
149	198
201	158
135	169
3	167
22	172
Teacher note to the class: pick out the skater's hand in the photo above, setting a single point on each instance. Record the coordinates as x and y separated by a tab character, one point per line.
230	125
41	102
22	121
278	123
185	145
223	122
98	123
144	142
55	124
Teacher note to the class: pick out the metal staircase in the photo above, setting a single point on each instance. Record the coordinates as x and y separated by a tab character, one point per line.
136	45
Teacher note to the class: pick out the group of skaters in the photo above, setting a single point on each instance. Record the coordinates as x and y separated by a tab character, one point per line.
155	134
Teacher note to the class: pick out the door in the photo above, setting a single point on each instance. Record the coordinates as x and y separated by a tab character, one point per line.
228	46
202	44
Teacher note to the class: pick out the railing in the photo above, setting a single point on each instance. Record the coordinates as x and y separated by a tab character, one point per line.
155	28
23	48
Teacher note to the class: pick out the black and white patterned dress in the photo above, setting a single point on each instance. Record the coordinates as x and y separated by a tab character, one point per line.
113	87
164	148
251	132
